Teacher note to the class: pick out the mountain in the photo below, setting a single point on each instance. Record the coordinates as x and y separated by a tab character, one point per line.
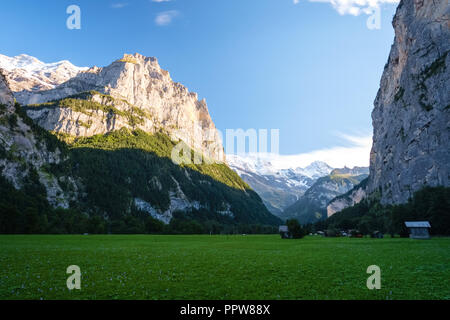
277	188
26	73
411	115
134	85
114	172
410	162
312	206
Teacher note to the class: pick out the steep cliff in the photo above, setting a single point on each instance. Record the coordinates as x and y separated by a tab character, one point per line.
138	82
411	117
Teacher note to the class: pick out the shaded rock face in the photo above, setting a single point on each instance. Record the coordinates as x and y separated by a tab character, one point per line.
6	96
348	199
141	82
411	117
22	153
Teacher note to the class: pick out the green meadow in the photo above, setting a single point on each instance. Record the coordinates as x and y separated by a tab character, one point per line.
222	267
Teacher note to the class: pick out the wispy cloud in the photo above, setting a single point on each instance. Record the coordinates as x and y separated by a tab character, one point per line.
161	0
166	17
119	5
353	7
354	152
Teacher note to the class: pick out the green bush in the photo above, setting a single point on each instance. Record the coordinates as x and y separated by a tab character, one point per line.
295	229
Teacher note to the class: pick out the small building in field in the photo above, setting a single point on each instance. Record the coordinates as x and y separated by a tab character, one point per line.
284	232
418	229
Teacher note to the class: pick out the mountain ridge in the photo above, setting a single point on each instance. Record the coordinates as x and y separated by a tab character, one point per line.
141	82
278	188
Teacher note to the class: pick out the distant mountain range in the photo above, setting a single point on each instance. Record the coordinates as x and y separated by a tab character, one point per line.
277	188
312	206
301	193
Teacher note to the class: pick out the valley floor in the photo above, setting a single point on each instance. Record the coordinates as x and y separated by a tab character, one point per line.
222	267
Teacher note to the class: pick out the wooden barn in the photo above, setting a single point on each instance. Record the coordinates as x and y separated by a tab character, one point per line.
284	232
418	229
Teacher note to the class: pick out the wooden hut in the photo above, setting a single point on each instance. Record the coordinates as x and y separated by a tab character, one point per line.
418	229
284	232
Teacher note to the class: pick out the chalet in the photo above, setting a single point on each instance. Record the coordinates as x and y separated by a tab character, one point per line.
284	232
418	229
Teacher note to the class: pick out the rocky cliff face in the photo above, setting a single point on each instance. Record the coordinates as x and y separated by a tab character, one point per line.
136	81
23	154
352	197
411	118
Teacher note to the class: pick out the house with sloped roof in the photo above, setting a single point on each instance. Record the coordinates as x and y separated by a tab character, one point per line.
284	232
418	229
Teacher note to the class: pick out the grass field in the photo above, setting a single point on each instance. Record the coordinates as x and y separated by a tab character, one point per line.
222	267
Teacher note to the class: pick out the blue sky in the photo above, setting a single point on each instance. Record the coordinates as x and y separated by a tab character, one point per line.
309	69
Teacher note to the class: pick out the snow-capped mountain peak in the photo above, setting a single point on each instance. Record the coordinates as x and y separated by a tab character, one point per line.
315	170
25	72
278	187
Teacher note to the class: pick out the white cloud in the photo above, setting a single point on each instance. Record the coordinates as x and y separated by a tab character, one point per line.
356	152
166	17
119	5
354	7
161	0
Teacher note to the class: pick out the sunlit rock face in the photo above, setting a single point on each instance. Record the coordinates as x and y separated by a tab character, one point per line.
411	117
138	81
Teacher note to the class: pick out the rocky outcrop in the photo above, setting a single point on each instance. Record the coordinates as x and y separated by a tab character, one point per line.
89	114
411	117
139	81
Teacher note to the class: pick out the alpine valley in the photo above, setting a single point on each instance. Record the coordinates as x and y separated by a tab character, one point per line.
299	193
90	150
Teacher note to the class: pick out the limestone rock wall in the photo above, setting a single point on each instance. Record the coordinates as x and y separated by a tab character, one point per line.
411	116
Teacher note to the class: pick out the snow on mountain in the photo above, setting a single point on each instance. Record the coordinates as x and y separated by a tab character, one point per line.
25	72
315	170
278	187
